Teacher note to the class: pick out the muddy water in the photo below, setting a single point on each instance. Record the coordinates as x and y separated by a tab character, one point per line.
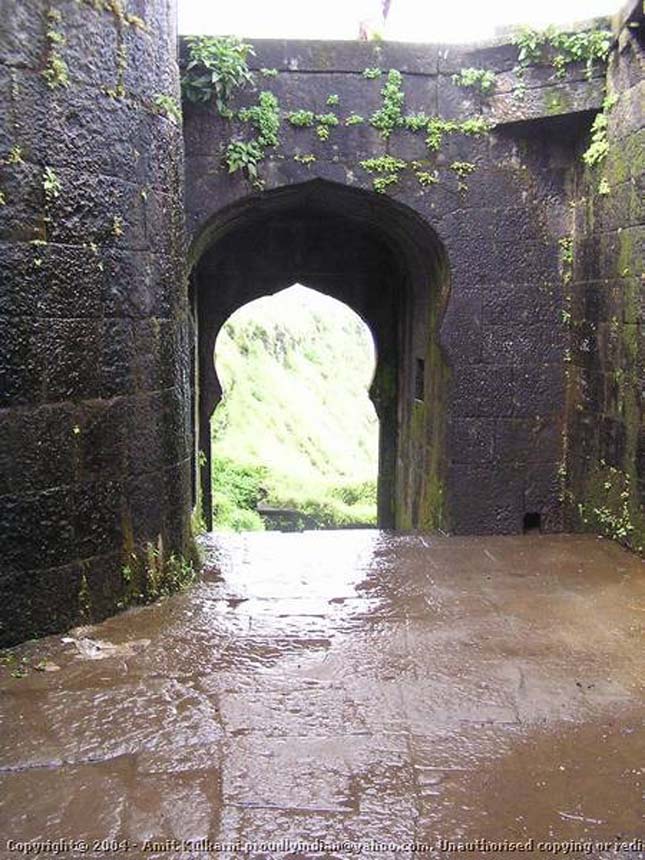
361	689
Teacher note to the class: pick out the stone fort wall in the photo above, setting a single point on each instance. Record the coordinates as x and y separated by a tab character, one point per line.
94	417
521	268
606	373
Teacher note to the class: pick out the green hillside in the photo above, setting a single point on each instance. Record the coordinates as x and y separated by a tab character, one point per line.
295	428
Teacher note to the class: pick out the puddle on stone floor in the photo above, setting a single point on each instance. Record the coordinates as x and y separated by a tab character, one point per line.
355	686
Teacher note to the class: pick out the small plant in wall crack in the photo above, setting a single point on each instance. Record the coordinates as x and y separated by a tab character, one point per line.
566	259
604	189
308	119
302	118
436	128
383	164
244	156
325	122
609	513
382	183
265	119
55	72
426	178
85	600
15	155
482	80
37	243
51	184
462	169
149	574
387	168
167	106
118	226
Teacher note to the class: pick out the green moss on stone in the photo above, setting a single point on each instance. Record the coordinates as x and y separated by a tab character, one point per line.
84	600
556	102
609	505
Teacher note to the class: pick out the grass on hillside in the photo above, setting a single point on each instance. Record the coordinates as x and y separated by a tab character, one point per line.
295	428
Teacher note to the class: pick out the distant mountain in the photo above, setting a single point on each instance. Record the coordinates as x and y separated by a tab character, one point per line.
295	368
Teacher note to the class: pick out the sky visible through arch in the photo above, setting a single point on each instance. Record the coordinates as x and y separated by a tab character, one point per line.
408	20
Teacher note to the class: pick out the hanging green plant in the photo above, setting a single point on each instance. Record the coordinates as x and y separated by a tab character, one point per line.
390	115
599	146
264	117
216	68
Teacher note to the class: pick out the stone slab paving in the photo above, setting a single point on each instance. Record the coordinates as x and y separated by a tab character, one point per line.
358	691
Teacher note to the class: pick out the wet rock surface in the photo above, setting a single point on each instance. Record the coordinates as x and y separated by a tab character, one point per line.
357	687
94	356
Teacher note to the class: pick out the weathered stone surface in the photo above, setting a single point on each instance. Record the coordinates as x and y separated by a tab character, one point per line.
490	334
92	298
366	688
607	372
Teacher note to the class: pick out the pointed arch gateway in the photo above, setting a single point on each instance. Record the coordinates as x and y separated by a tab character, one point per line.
381	259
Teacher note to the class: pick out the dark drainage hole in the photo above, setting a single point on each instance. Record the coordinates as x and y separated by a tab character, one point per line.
532	523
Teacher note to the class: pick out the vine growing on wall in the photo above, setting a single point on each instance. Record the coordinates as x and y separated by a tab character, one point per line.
390	115
561	49
550	47
218	67
598	148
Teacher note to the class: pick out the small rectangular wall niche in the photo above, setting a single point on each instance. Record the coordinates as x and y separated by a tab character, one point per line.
419	379
532	522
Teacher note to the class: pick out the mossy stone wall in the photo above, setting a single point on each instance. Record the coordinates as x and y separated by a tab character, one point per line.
94	420
606	402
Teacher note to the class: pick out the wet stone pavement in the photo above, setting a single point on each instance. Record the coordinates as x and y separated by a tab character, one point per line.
357	687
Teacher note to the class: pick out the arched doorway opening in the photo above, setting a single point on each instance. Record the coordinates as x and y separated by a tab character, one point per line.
382	260
295	434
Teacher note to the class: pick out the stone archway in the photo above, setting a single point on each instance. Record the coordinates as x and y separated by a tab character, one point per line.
383	261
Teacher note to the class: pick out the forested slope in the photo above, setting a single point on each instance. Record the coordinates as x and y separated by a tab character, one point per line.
295	427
